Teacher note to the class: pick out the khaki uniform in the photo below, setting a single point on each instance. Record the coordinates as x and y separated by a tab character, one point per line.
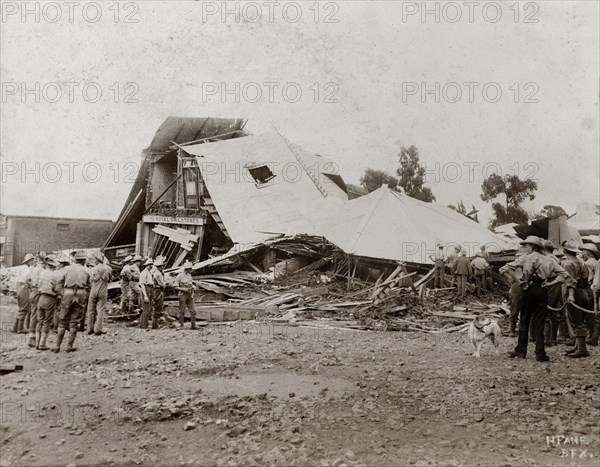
147	282
578	281
159	296
134	284
75	282
59	288
186	298
100	276
32	279
555	315
23	315
537	269
125	288
49	291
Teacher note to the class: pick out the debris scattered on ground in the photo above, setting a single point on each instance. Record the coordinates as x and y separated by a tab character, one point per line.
306	280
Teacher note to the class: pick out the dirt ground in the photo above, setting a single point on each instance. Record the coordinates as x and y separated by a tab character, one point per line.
259	394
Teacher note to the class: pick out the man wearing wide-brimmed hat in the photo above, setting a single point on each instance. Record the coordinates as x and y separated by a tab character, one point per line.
555	316
33	282
589	255
147	288
49	292
23	296
577	298
159	291
539	273
185	285
61	263
134	281
125	287
100	276
75	283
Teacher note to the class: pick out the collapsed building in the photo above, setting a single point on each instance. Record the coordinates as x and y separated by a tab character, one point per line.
206	184
208	187
252	209
166	194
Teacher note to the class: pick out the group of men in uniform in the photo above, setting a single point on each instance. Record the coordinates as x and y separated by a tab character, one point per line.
462	269
554	292
55	293
143	284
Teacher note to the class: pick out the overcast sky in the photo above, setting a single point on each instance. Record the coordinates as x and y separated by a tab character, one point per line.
371	62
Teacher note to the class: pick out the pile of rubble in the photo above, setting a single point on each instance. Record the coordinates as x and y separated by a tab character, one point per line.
297	280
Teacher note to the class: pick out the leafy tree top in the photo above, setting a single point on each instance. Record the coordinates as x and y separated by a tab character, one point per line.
412	175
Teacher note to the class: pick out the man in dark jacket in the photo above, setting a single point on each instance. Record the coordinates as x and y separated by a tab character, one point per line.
462	271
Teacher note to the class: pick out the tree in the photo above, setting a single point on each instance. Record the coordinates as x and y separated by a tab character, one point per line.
515	192
412	175
551	212
373	179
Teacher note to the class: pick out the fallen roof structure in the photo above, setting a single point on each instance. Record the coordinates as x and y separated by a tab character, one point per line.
387	224
390	226
262	186
206	185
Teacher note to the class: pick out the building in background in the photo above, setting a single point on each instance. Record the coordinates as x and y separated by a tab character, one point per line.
20	235
586	219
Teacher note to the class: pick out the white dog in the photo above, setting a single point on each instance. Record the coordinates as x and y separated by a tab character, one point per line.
481	328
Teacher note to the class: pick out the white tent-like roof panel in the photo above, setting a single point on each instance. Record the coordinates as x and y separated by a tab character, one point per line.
287	204
306	196
386	224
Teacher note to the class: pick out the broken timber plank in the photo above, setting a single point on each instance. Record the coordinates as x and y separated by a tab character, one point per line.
390	278
312	266
254	267
424	279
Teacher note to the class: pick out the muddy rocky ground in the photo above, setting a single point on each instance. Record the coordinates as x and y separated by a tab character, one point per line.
258	394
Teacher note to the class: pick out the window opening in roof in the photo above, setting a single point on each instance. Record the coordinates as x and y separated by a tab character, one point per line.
261	174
